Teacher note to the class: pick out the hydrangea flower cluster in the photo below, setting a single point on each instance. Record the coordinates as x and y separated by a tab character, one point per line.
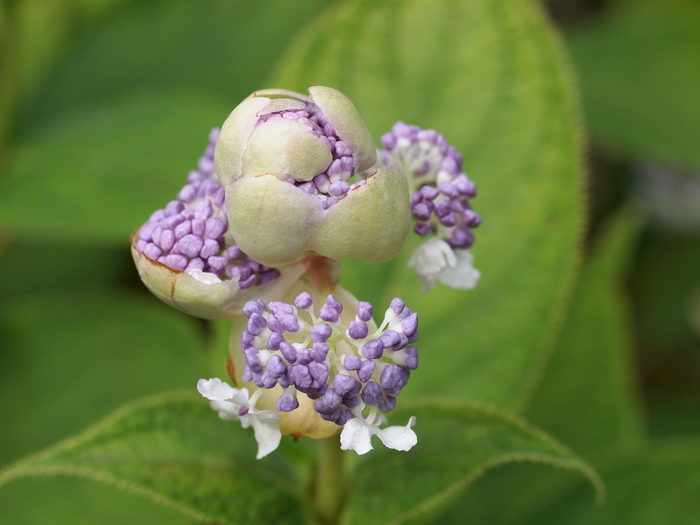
343	368
290	185
189	234
440	194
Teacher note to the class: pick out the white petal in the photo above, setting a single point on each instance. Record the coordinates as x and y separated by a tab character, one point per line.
227	411
265	415
356	435
215	389
267	434
240	397
430	259
462	276
399	438
204	277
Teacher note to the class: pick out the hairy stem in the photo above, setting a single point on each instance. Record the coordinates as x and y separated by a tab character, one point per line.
329	483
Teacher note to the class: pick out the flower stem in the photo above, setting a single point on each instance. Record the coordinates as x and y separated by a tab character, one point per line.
329	484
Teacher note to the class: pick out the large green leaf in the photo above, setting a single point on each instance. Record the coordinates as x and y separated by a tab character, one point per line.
640	78
490	76
69	357
219	47
96	176
175	450
457	444
24	269
586	397
79	501
656	485
113	132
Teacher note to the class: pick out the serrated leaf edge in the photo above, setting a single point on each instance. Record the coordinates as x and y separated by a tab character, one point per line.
460	405
24	467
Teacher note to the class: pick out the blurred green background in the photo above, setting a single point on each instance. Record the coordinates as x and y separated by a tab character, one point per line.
589	330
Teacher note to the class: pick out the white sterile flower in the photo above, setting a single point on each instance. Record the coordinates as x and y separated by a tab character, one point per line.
235	404
357	434
204	277
436	261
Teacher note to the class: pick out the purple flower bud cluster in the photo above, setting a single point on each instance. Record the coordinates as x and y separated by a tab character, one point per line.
190	233
332	184
344	368
440	203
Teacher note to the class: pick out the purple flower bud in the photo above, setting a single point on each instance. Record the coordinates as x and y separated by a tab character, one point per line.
411	358
421	229
273	343
304	356
329	314
372	394
358	330
389	339
252	307
410	324
319	372
351	362
332	302
301	376
373	349
397	305
388	404
280	307
364	311
366	370
268	381
289	352
275	366
303	301
178	262
393	379
343	383
286	403
210	248
319	352
215	227
321	332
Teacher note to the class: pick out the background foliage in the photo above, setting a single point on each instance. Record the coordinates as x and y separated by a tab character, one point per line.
578	350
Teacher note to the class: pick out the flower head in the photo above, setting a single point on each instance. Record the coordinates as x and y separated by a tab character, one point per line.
327	361
440	204
287	162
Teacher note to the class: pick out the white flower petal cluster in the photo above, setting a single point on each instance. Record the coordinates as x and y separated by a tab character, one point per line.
357	434
235	404
436	261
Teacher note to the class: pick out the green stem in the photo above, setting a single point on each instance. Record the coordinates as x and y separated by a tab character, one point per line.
329	482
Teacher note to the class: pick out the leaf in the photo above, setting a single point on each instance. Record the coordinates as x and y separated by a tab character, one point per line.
176	451
586	398
492	78
69	357
220	48
112	134
23	267
457	444
639	77
657	484
96	176
75	501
